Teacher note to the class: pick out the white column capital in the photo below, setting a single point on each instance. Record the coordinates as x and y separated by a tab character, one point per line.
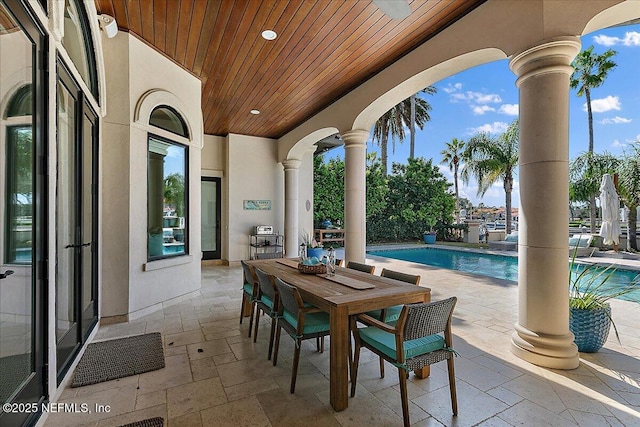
550	56
290	164
355	137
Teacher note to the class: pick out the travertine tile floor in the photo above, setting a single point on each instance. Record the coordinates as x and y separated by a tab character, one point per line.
216	376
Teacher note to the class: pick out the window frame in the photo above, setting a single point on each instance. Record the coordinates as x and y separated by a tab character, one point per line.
185	147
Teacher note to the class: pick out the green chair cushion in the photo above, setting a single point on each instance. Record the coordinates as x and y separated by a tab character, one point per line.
313	322
392	314
248	288
386	343
266	300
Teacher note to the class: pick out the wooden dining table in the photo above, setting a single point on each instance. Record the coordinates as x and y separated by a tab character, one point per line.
347	293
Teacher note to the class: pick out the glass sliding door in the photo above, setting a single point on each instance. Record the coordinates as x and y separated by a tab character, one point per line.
89	209
76	230
211	218
67	335
23	206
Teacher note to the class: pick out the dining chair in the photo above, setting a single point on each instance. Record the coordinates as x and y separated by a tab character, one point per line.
300	322
421	337
249	291
361	267
366	269
391	314
266	302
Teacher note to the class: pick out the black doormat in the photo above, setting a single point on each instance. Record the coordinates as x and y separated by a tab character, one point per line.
149	422
13	371
122	357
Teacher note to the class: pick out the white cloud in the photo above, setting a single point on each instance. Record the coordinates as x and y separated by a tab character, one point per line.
631	38
617	144
603	105
475	97
603	40
509	109
495	127
452	88
615	121
481	109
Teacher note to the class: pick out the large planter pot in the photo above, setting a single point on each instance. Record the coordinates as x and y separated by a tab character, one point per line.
314	252
429	239
590	328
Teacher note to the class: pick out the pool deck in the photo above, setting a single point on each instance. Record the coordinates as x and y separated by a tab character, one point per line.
216	376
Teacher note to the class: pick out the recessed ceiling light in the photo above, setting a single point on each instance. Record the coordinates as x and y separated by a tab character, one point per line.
256	112
269	35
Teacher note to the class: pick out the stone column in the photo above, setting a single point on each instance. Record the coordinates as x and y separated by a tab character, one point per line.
542	334
291	190
355	159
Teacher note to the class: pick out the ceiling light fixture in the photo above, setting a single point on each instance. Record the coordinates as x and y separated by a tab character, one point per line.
269	35
256	112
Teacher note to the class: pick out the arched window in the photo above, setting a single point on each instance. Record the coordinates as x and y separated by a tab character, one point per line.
168	119
167	187
78	44
21	103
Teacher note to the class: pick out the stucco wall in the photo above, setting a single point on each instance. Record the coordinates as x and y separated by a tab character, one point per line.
130	283
253	174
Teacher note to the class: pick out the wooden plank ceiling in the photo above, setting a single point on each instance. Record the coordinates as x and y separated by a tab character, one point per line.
324	49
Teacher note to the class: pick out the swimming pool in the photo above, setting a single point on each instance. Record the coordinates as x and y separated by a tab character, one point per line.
492	265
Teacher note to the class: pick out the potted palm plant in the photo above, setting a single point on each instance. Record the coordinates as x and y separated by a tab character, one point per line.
589	309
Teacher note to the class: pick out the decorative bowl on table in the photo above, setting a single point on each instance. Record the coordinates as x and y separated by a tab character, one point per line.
312	266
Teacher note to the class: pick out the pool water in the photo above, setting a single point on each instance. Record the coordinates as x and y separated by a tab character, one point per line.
497	266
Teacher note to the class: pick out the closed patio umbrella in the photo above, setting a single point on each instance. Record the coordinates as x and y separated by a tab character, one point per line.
610	205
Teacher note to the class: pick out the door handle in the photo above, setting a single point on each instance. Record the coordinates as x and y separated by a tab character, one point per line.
5	274
78	246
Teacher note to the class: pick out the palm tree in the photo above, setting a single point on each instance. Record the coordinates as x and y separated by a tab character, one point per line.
392	124
489	159
451	156
389	124
426	107
590	71
629	191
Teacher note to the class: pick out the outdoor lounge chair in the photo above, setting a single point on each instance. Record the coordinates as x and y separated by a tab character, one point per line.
580	245
510	243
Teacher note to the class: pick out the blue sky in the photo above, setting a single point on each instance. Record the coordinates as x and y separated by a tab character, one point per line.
485	98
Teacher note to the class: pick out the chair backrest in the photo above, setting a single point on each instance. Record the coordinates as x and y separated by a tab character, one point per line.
266	284
426	318
249	276
403	277
289	297
361	267
268	255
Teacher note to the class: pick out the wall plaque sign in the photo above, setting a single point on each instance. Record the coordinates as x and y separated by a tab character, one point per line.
256	205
